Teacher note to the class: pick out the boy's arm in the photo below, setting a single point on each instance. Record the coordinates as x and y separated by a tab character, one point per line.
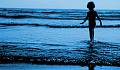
84	20
99	20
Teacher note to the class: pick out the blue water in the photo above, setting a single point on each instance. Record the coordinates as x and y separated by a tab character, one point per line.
54	36
55	18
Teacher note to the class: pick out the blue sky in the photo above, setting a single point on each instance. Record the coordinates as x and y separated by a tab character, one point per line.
59	4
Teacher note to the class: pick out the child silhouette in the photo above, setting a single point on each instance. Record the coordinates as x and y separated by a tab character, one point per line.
91	15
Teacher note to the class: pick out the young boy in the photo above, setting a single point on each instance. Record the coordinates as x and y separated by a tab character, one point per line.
91	15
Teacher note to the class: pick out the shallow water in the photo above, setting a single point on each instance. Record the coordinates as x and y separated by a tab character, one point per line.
60	46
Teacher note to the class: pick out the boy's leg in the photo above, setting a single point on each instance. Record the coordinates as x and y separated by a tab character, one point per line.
91	31
92	34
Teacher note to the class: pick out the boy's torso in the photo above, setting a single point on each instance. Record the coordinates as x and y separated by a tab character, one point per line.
92	18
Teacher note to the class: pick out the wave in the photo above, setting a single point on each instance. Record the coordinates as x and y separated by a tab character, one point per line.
55	26
56	61
17	10
59	17
17	16
59	14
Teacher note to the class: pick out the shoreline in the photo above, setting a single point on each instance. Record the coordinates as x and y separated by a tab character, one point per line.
24	66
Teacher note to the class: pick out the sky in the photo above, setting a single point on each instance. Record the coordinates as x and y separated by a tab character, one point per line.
59	4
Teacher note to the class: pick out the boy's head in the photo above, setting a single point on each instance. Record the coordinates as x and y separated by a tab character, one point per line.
91	5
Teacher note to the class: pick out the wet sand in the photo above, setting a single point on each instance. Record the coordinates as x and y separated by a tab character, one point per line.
52	67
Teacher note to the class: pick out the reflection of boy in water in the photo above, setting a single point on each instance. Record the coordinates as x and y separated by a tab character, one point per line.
91	15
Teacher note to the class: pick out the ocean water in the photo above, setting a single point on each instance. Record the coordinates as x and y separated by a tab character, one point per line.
54	36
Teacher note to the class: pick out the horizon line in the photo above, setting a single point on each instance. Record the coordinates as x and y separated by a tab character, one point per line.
59	8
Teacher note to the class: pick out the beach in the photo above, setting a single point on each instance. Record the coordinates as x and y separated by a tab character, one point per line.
39	38
52	67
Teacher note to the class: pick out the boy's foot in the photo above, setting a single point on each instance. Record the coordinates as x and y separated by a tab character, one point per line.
92	41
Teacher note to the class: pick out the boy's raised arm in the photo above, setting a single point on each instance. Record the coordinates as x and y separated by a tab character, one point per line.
99	20
84	20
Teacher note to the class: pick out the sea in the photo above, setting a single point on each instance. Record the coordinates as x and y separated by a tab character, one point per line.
56	37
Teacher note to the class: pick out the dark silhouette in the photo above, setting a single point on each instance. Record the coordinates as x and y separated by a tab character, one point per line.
91	15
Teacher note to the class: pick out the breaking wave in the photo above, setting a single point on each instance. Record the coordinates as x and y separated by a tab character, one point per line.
59	14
